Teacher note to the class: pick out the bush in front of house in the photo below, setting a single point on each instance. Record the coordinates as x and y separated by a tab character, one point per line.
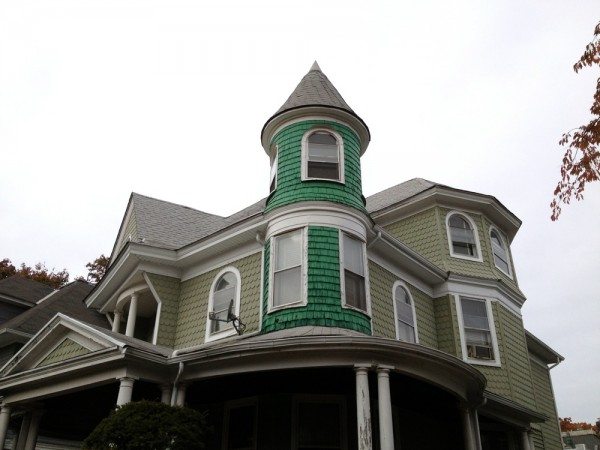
149	425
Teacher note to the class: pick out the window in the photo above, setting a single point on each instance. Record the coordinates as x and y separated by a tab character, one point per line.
404	310
273	180
462	235
287	259
319	423
323	156
225	294
353	266
479	337
500	252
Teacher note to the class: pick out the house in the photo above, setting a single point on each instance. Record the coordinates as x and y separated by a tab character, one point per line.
314	318
18	294
581	440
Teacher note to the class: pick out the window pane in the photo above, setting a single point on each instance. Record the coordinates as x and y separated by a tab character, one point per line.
475	314
405	313
500	254
401	295
319	425
273	175
323	153
477	337
355	290
288	250
322	138
406	333
226	281
241	427
462	236
287	286
353	255
328	171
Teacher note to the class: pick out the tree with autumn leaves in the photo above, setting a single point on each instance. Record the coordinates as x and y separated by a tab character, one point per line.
52	277
567	424
581	161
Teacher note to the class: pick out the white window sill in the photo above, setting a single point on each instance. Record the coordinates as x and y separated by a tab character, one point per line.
298	304
220	335
467	258
482	362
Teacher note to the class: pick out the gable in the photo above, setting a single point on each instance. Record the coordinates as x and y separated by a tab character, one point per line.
67	349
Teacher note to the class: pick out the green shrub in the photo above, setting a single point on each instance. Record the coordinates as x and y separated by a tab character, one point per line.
149	426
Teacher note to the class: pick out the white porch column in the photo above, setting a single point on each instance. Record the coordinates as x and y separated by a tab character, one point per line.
386	425
468	429
363	408
181	390
525	440
131	315
116	322
24	431
4	419
34	427
475	422
165	394
125	390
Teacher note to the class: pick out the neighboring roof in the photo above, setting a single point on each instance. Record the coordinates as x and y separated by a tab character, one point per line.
68	300
133	342
172	226
24	289
396	194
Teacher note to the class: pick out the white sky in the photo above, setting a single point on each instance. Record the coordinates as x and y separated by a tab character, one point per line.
167	98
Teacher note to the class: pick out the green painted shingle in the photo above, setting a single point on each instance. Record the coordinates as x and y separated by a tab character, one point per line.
67	349
168	290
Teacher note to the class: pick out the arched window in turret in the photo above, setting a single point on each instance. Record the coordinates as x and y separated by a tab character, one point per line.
462	237
322	156
500	250
224	298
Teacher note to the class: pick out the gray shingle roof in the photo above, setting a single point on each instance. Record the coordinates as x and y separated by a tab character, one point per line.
24	288
395	194
168	225
67	300
315	89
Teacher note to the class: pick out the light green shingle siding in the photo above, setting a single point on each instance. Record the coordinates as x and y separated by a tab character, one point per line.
447	325
545	404
324	304
67	349
421	232
382	282
193	301
291	188
168	290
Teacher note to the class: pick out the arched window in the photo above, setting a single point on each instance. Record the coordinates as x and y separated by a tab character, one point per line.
404	311
323	156
463	237
224	297
501	259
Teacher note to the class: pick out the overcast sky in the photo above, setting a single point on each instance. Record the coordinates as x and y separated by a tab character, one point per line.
167	98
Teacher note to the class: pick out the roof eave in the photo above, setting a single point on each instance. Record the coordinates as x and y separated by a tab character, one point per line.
542	350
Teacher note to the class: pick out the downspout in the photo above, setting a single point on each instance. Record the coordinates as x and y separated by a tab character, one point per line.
175	383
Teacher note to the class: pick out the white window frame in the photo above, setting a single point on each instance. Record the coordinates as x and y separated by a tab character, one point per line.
303	271
340	141
506	249
208	336
274	168
402	284
461	328
468	218
250	401
319	398
343	278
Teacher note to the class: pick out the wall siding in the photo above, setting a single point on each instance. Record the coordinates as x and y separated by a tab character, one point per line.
542	385
447	325
193	301
168	291
382	282
420	232
291	188
67	349
324	304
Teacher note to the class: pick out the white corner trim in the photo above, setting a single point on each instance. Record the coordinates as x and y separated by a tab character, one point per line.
475	233
208	336
158	308
304	273
340	147
400	283
343	278
506	249
463	341
262	289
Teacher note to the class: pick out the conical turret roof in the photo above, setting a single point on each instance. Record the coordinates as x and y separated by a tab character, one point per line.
314	95
315	89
